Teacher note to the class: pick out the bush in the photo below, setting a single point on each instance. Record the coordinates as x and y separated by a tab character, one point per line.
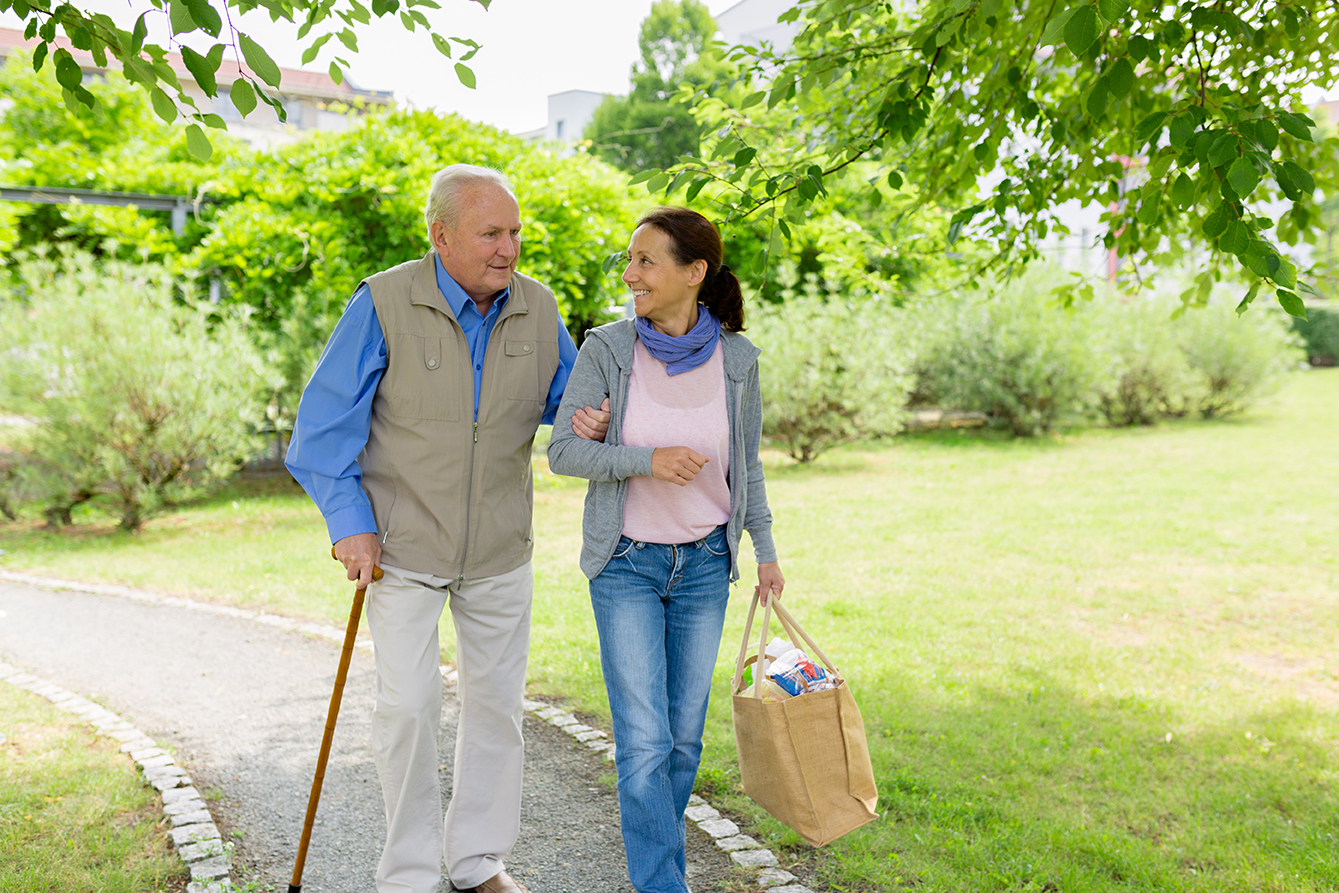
1236	359
1320	335
1007	353
831	373
140	398
1150	377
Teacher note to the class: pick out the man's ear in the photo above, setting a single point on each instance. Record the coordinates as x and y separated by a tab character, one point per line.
438	235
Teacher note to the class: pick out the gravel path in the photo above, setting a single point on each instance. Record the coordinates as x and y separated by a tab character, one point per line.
242	705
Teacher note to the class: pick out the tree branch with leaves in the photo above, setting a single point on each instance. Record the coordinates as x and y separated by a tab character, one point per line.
1186	120
60	27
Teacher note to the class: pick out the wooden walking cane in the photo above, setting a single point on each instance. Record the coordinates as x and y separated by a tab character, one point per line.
355	613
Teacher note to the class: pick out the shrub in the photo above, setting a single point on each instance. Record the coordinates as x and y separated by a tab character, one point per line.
140	399
1236	359
1320	335
831	372
1007	353
1150	377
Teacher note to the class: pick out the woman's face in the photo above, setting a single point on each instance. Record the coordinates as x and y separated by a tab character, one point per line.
662	290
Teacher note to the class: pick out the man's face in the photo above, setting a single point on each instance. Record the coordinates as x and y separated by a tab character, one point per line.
481	252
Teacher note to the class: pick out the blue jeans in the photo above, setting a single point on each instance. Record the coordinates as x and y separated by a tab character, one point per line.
660	610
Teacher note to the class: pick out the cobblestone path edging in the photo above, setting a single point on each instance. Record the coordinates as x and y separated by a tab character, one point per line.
194	834
206	851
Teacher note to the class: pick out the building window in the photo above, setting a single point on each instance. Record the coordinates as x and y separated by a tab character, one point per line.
559	128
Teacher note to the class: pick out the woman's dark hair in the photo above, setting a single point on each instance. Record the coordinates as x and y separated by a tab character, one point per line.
693	237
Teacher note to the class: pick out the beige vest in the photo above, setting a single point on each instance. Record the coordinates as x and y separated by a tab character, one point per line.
451	497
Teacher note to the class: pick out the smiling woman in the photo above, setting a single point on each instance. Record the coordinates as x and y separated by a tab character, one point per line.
673	486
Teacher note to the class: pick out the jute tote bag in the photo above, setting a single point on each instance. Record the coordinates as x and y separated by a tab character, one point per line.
805	759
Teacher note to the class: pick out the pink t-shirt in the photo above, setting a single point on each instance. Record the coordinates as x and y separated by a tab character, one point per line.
687	409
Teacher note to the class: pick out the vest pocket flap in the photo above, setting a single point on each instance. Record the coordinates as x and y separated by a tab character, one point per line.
520	348
432	353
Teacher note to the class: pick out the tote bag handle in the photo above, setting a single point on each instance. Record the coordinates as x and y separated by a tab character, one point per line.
792	628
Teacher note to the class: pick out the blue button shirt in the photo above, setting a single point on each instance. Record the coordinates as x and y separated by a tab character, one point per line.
335	412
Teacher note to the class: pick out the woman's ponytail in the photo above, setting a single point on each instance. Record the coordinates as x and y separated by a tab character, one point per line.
723	297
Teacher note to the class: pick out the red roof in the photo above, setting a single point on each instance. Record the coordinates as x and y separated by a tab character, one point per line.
292	80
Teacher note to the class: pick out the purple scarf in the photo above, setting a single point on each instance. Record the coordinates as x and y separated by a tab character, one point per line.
689	350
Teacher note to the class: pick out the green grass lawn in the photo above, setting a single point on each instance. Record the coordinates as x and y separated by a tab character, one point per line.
74	817
1102	661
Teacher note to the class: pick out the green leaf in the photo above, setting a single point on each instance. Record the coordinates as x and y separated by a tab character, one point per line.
163	105
1243	177
1148	210
1121	78
1180	130
1081	30
1266	134
1149	128
1296	125
465	75
1112	11
642	177
258	60
179	16
201	70
205	16
894	179
744	156
309	55
243	96
1306	184
694	188
443	46
659	180
1291	303
1286	274
1216	222
68	73
348	38
1096	103
1236	238
215	121
197	143
1054	32
946	34
1223	149
1250	296
753	99
1183	192
137	36
39	56
336	73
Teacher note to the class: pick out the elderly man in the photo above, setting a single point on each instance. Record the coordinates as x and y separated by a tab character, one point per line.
413	437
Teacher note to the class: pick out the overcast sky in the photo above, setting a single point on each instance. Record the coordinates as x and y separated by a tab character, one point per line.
531	48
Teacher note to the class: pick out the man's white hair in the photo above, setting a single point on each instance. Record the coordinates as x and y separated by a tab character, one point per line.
449	183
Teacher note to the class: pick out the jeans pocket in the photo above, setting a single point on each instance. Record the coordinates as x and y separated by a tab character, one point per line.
623	547
716	542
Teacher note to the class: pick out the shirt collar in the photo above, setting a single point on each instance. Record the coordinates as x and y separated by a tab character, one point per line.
455	295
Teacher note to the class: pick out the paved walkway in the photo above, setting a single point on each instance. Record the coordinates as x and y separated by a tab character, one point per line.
242	705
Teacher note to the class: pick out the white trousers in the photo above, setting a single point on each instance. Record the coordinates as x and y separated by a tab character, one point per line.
492	622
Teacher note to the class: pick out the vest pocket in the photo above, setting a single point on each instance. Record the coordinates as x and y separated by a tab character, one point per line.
521	373
417	381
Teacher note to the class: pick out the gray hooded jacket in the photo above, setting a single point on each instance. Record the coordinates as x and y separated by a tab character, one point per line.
602	369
